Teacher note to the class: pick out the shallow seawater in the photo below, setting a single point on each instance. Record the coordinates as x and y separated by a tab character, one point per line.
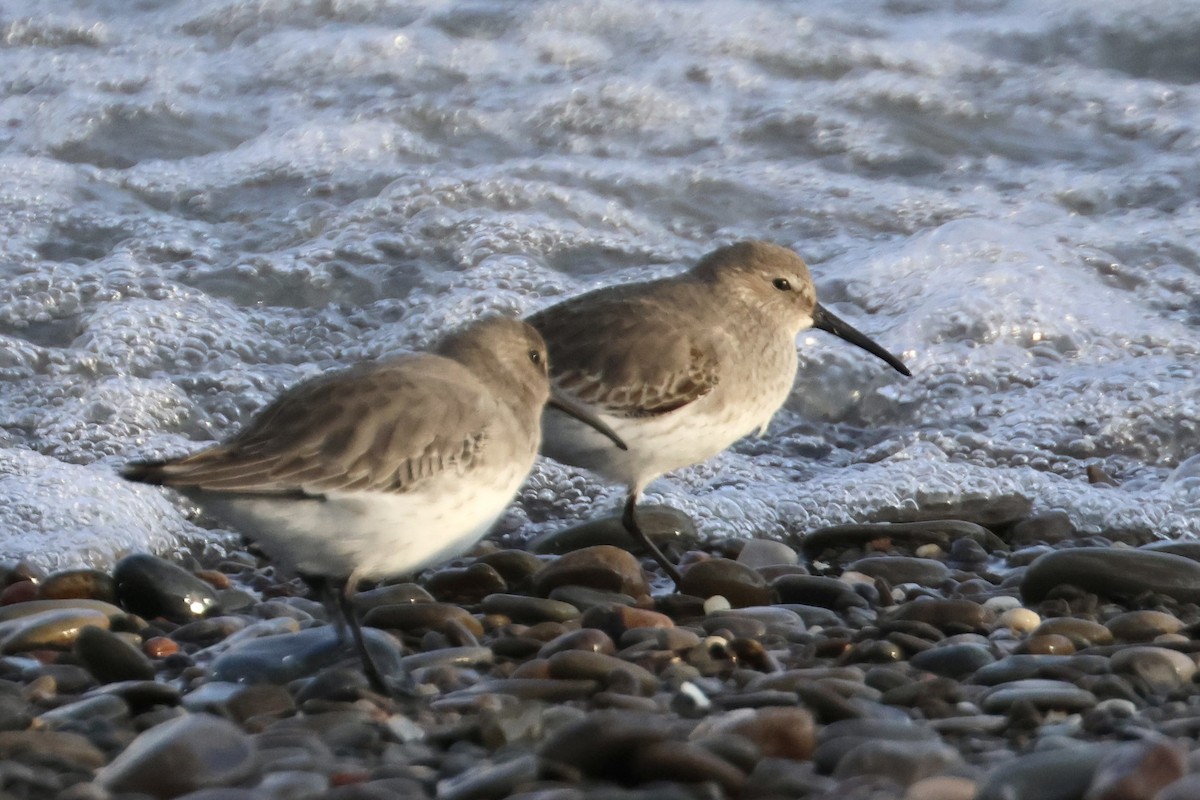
202	202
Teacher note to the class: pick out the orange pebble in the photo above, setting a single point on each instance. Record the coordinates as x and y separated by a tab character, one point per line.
160	647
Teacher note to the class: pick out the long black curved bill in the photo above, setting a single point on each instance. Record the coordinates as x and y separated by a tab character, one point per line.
825	321
568	405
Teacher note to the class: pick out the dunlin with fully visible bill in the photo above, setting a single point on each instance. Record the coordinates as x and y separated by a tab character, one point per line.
385	467
682	367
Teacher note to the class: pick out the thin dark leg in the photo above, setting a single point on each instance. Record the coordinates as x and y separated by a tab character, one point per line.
629	520
327	594
360	644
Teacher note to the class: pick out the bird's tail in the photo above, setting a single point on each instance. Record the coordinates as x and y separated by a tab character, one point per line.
151	472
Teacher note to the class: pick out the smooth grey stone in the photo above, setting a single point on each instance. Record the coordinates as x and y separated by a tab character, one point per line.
1112	572
783	777
1049	527
1061	774
967	553
152	587
110	658
233	600
585	597
991	512
668	528
212	696
15	713
449	657
141	695
813	616
285	657
294	785
490	779
1040	693
193	752
1163	670
951	615
205	632
1023	665
737	583
903	569
942	532
396	594
530	610
815	590
837	739
78	583
953	660
904	762
600	744
108	707
757	553
1186	548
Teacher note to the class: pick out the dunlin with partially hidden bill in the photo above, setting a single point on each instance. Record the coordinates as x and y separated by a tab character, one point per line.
385	467
682	367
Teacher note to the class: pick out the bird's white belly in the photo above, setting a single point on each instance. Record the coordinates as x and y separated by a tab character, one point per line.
657	444
370	534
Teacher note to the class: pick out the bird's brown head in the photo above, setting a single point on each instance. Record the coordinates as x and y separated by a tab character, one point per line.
508	349
772	280
510	355
776	284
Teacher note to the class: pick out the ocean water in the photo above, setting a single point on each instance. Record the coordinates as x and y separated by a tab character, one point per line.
202	202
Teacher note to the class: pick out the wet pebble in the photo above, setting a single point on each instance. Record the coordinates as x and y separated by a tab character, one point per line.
1038	693
758	553
54	629
153	587
465	585
420	617
903	569
1139	770
397	594
737	583
587	639
1112	572
940	532
1060	774
72	584
615	620
520	608
183	755
1049	527
951	616
1162	669
815	590
777	732
953	660
285	657
110	658
1083	632
1142	625
589	665
601	567
668	528
901	762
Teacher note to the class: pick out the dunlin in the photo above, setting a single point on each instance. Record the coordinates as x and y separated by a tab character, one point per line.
682	367
385	467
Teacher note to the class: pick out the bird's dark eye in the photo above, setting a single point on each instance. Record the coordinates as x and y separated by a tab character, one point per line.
535	356
782	284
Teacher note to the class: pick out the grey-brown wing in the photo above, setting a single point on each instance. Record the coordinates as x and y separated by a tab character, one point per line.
387	426
621	353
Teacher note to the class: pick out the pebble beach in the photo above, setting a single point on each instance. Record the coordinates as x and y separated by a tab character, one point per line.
1004	656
